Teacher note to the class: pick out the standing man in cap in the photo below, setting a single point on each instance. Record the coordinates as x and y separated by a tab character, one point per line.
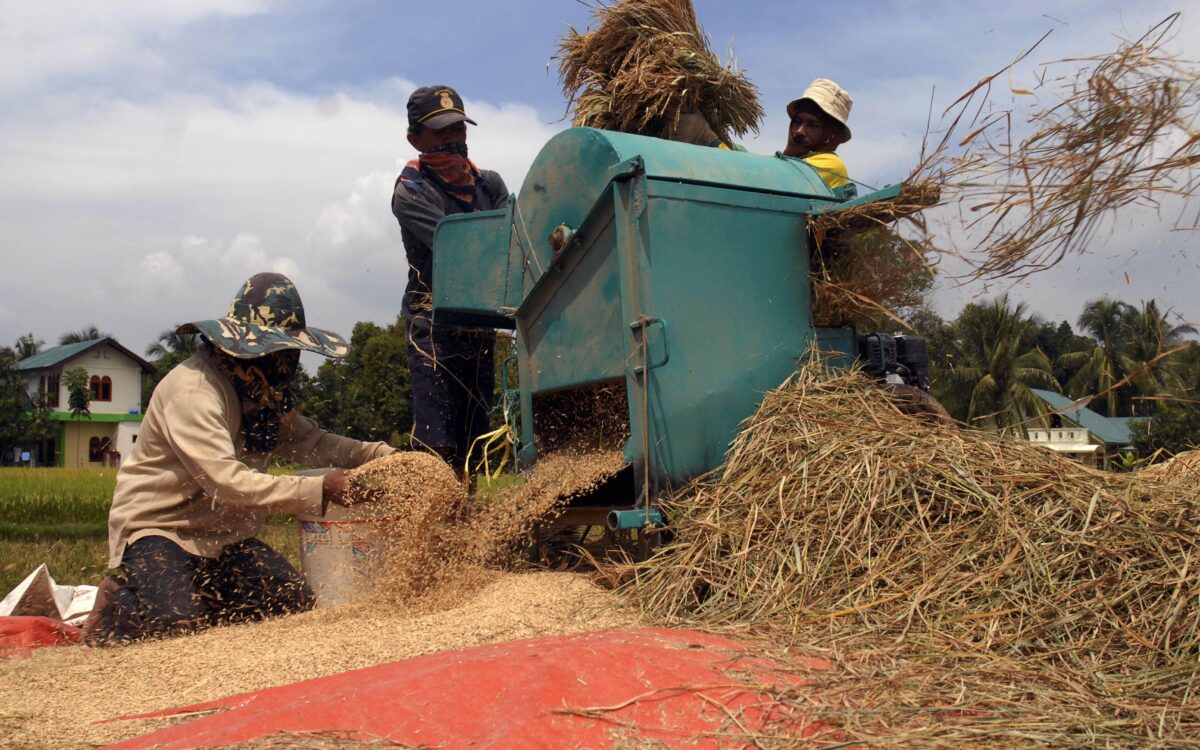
452	371
818	126
191	499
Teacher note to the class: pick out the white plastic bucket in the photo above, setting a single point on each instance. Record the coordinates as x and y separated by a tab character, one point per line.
339	552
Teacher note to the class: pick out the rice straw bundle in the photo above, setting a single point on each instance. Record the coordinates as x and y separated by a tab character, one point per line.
646	63
1037	598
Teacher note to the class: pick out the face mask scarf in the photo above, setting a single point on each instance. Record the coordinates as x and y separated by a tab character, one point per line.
453	170
266	383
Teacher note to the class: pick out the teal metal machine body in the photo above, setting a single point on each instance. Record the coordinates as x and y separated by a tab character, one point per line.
677	270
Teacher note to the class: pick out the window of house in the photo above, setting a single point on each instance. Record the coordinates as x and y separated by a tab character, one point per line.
97	447
101	388
52	390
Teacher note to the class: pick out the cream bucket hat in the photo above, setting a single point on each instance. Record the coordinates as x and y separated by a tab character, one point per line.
831	98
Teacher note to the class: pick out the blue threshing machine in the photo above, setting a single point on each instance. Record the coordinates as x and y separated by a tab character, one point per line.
673	279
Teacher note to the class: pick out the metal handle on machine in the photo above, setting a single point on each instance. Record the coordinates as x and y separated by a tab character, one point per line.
642	325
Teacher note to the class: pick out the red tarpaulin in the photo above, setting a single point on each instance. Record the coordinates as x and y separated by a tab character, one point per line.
20	635
570	691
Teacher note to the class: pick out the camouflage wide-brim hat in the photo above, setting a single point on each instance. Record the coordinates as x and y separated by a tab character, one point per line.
266	316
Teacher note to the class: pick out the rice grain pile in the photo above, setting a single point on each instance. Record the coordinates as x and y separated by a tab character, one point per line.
646	63
441	586
51	699
438	543
974	590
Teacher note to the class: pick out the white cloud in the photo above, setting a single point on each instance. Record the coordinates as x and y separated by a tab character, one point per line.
40	41
174	203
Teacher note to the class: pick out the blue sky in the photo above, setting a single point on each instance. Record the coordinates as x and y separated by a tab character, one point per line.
154	154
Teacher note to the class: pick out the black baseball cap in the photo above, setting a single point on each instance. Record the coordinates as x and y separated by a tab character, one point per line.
435	107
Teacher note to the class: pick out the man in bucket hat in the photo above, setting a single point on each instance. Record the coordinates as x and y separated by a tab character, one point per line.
818	126
452	370
191	499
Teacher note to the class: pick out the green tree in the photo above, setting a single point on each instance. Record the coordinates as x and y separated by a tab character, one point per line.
88	333
1100	369
167	351
367	395
27	346
1055	340
1151	337
79	392
1174	428
994	367
15	405
170	342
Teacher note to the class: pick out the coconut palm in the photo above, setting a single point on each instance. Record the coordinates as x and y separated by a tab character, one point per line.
89	333
995	368
27	346
1151	336
1098	370
170	342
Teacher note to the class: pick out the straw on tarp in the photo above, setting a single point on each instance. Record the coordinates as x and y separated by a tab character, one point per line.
950	567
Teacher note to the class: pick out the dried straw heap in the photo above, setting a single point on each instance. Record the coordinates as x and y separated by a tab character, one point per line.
970	588
646	63
1183	468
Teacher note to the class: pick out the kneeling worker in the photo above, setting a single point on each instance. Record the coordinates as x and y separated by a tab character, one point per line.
191	499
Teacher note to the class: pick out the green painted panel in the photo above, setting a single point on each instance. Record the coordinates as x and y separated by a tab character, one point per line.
575	167
570	325
475	280
66	416
730	285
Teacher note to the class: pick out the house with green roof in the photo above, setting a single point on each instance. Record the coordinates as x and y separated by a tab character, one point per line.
1078	431
115	377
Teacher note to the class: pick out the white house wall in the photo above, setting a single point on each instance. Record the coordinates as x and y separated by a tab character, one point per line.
126	380
126	436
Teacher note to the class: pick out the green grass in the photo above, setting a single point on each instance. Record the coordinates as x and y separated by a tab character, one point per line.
55	496
83	558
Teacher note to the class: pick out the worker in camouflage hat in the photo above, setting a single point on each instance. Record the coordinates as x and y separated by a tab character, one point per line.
266	316
191	499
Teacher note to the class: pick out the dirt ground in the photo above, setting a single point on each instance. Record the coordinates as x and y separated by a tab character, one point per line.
54	698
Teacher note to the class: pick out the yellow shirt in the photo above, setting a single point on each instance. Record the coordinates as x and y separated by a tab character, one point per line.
829	165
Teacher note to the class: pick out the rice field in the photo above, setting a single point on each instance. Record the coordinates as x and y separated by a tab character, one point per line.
54	497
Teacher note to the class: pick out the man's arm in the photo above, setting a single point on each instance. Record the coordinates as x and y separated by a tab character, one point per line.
303	441
417	209
198	433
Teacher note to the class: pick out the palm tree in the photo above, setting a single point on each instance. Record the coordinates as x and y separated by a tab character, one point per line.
27	346
1098	370
996	367
1151	335
90	333
170	342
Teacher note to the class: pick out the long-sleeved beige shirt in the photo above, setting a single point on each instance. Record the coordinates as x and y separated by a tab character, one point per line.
190	478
